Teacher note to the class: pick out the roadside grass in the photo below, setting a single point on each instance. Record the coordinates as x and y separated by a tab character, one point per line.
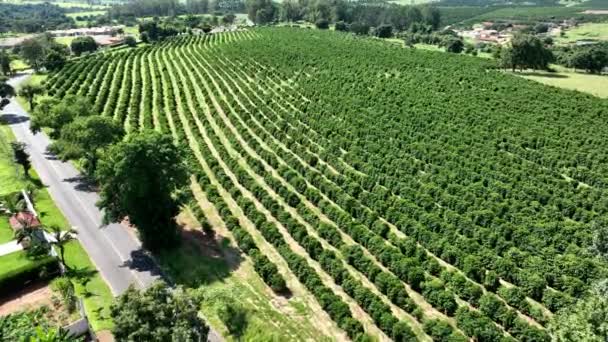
596	85
90	286
594	31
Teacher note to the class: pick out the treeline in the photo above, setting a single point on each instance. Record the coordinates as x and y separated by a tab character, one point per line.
33	18
484	3
170	8
332	11
593	58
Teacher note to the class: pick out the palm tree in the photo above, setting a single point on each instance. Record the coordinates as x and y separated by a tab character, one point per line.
60	239
29	91
31	235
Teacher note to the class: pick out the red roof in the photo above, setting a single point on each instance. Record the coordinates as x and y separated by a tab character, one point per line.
23	217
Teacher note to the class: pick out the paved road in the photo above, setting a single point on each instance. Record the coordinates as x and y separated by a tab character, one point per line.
114	250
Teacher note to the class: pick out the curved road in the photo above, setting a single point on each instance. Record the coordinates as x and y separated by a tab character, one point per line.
115	251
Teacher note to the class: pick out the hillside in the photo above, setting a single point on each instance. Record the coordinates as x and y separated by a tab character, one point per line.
409	192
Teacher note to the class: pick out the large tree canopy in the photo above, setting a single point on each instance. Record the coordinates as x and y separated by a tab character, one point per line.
55	114
86	136
138	179
157	315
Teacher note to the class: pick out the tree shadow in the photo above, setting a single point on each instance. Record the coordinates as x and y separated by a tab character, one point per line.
542	74
201	259
142	261
50	155
82	183
12	119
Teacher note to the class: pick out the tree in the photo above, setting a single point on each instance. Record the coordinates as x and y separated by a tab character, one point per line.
6	91
86	136
55	114
145	37
585	321
59	239
322	24
5	63
290	10
29	91
454	45
359	28
33	52
83	44
526	51
260	11
130	41
157	314
54	60
228	19
593	59
138	179
341	26
431	16
384	31
21	156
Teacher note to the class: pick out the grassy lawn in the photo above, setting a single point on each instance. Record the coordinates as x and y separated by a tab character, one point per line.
65	40
221	282
594	31
17	262
19	64
90	286
566	78
11	176
6	232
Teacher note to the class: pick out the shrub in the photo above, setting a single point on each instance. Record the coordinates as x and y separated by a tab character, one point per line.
322	24
65	288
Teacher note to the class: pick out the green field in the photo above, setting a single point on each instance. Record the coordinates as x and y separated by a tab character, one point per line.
402	186
89	285
587	31
596	85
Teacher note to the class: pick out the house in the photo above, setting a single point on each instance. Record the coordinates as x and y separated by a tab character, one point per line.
24	219
90	31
